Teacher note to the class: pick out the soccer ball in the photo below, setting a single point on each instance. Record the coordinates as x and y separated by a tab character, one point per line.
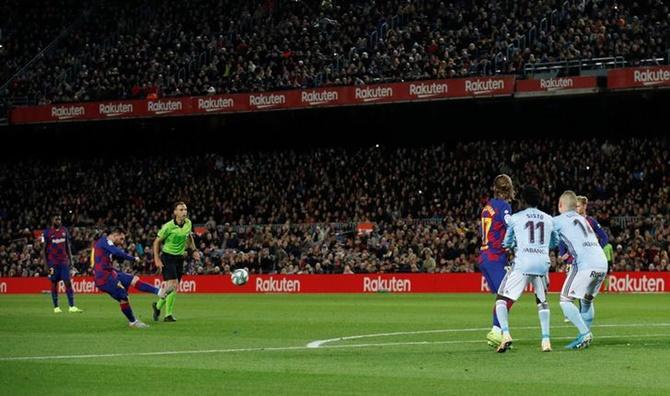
239	277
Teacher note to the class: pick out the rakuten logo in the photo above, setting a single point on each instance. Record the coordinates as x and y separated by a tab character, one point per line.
79	286
318	97
386	285
271	285
480	87
115	109
164	107
651	77
189	286
628	284
263	101
553	84
371	94
65	112
219	104
428	90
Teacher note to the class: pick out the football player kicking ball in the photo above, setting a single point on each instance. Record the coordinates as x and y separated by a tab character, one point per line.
116	283
531	232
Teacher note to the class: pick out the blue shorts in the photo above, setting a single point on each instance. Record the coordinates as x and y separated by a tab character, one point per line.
59	272
118	288
494	272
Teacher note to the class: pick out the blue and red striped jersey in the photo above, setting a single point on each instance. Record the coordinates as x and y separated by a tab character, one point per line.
56	242
493	228
102	256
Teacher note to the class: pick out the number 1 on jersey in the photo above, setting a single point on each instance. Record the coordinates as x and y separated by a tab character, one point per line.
586	230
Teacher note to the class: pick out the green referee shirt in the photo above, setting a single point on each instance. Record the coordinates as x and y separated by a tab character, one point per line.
174	237
608	252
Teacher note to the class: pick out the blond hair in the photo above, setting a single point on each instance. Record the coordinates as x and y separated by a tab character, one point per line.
569	199
503	187
582	200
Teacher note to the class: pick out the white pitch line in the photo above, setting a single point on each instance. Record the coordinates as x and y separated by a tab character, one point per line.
297	348
161	353
293	348
320	343
476	341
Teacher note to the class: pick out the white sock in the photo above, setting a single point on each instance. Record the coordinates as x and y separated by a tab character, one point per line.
501	311
571	312
587	311
543	313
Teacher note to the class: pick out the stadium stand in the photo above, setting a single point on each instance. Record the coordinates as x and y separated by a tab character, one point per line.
287	211
162	49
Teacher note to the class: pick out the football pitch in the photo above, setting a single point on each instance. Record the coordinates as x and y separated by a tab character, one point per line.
375	344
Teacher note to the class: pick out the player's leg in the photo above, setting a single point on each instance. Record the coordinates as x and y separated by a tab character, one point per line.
143	286
494	272
540	287
575	288
170	299
495	335
567	270
510	290
587	309
54	288
586	304
170	279
69	291
118	290
147	288
167	288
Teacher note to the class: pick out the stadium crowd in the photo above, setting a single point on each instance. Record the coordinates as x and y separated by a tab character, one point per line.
299	211
160	49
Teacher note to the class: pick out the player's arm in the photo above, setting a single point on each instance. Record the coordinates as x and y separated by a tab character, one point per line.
162	235
157	252
563	253
562	250
44	250
509	242
603	239
190	244
118	253
554	242
69	247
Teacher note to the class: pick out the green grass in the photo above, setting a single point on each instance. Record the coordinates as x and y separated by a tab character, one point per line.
622	360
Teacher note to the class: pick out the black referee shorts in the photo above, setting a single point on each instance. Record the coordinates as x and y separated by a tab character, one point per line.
173	266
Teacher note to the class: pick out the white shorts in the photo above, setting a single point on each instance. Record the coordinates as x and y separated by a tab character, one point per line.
515	282
581	282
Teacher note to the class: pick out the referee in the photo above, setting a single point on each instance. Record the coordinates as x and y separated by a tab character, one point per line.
176	237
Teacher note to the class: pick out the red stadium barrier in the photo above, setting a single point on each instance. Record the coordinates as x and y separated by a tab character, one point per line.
639	77
265	101
556	86
619	282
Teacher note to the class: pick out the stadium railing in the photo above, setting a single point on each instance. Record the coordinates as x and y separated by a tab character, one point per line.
573	66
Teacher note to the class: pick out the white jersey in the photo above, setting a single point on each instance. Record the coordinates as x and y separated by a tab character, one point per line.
582	243
532	231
